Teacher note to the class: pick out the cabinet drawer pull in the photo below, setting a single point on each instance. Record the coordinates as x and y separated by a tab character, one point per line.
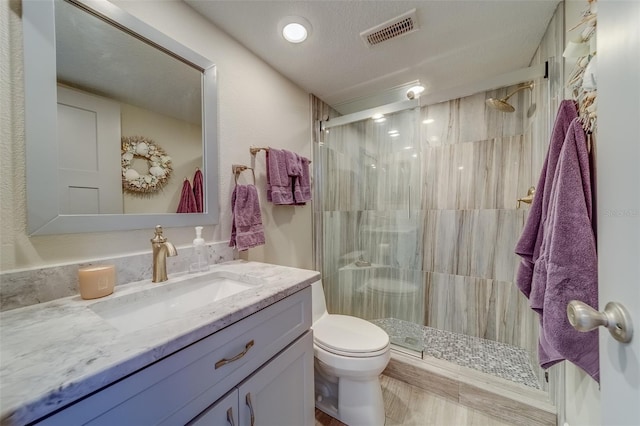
253	417
225	361
230	417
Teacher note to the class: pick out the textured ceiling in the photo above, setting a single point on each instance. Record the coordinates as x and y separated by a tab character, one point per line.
459	42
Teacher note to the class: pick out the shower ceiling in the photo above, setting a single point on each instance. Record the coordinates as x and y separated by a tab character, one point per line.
459	42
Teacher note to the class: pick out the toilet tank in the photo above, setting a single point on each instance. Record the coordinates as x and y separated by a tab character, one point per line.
317	300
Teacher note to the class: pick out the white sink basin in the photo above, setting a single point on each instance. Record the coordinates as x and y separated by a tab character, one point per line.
168	300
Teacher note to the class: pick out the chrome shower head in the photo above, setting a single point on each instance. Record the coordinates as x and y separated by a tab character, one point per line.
502	104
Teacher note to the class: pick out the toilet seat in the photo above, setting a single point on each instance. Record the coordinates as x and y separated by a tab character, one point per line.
350	336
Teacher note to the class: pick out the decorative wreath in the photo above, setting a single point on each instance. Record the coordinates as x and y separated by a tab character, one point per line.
158	160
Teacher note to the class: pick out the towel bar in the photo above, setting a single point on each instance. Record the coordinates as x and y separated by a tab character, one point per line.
256	149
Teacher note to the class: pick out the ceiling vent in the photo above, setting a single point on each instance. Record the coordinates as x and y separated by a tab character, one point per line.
400	25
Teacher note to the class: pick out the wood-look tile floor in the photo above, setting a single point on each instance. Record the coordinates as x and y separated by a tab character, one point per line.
408	405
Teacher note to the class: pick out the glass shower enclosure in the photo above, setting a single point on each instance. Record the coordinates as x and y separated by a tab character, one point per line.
416	220
369	207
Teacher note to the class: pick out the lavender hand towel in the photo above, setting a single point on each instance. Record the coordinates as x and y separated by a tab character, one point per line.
246	225
567	265
528	247
294	167
302	186
279	183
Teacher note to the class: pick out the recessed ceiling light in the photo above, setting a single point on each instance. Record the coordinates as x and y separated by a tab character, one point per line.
295	29
428	121
294	32
393	131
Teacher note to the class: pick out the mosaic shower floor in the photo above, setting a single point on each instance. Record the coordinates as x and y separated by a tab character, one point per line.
498	359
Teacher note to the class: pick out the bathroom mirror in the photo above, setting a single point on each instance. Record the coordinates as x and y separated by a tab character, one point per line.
104	52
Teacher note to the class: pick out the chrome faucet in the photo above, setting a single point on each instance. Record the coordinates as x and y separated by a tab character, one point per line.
161	249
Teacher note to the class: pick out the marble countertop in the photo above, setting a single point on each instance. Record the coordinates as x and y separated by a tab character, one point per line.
54	353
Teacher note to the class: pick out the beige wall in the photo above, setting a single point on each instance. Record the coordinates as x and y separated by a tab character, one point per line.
181	140
257	106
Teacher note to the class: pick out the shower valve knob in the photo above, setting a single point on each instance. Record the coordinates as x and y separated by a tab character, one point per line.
614	317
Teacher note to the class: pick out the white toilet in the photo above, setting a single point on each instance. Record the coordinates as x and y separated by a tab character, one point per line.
350	353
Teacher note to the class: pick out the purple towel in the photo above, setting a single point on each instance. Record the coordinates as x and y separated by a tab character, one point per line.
559	261
302	186
187	202
246	225
294	167
288	181
198	191
279	187
528	247
567	268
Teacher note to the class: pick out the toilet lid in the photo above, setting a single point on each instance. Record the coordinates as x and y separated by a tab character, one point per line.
348	334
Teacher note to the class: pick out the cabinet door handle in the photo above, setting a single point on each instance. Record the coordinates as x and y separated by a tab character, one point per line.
225	361
253	417
230	417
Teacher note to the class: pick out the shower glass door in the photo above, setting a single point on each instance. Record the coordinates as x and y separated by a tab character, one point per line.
370	251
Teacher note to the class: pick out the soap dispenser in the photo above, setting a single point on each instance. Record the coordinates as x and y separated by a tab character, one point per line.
199	261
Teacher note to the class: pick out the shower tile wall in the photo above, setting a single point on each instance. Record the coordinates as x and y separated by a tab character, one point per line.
476	164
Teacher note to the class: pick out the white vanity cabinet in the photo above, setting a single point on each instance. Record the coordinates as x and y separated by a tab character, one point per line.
280	393
267	356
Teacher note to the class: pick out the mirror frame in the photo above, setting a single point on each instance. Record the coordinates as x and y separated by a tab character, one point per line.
43	212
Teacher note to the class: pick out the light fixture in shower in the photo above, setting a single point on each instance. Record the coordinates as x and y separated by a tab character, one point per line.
295	29
502	104
414	92
378	118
